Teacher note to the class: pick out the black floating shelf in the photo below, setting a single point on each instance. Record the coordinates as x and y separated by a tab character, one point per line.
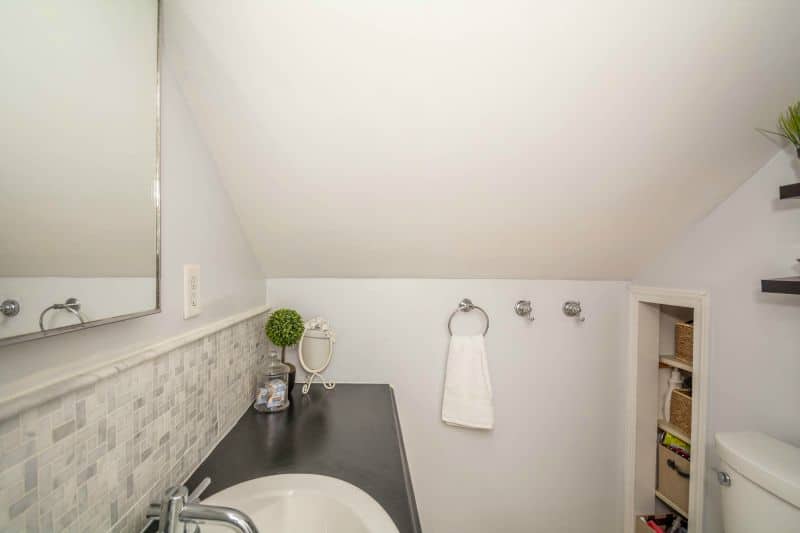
781	285
790	191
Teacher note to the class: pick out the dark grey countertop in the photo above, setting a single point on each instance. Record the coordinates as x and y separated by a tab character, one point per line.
351	432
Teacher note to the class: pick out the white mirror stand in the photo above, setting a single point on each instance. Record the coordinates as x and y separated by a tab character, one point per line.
315	351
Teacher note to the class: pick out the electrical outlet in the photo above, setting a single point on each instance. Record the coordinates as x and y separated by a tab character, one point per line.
191	291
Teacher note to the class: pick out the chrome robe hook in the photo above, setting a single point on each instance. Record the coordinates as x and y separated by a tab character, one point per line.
524	308
573	309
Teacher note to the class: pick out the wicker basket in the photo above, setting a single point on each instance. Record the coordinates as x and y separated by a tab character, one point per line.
684	342
680	410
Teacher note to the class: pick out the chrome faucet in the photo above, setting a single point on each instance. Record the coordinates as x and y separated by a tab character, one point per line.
178	509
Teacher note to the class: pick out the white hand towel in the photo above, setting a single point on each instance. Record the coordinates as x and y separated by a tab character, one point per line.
467	388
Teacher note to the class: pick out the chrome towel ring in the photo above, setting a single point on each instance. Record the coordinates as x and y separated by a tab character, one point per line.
72	305
465	306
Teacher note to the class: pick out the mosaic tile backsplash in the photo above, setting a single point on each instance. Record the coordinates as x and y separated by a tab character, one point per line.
93	460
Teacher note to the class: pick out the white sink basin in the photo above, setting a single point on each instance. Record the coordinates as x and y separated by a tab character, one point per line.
303	503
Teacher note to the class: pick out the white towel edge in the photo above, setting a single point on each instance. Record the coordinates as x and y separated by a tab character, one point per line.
468	425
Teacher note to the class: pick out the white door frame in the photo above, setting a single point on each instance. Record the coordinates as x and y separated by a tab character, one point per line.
699	302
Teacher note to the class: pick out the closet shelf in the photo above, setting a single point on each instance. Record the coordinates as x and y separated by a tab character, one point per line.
790	191
781	285
672	428
672	361
672	505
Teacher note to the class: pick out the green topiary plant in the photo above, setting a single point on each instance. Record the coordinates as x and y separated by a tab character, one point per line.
284	328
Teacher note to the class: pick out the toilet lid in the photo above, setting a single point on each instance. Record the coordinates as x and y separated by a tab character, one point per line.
769	463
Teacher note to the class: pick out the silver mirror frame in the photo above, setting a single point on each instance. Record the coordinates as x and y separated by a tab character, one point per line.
157	194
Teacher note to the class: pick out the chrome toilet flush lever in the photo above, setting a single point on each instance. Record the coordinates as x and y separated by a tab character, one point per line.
723	478
573	309
524	308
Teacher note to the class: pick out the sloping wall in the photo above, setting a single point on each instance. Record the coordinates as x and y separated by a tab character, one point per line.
473	139
554	461
198	226
755	337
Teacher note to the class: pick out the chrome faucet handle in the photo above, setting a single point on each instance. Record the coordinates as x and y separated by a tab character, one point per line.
167	511
172	504
194	497
178	508
190	526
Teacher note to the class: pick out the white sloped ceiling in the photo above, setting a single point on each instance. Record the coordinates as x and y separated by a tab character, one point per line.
480	139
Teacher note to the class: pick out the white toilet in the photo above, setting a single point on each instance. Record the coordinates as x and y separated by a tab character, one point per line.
760	478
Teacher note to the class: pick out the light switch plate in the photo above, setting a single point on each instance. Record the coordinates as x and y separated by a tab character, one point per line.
191	291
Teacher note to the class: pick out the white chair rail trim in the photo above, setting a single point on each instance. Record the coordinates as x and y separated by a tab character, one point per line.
79	379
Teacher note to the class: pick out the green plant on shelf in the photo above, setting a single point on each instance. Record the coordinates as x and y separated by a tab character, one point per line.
789	125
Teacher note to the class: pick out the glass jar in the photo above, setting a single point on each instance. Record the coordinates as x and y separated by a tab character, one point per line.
272	386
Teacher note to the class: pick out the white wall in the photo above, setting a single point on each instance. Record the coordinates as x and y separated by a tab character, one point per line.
99	297
554	460
198	226
755	337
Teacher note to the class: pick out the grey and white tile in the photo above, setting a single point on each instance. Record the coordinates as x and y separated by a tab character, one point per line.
93	459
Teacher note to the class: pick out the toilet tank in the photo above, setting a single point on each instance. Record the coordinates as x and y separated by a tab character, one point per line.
764	490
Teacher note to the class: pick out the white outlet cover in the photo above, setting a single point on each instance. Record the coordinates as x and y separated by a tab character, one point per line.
191	291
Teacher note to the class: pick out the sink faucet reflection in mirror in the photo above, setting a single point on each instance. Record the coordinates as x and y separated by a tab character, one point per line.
179	509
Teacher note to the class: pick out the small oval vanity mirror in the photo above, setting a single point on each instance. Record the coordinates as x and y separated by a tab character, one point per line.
315	351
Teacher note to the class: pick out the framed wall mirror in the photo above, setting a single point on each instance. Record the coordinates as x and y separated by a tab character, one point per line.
79	165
